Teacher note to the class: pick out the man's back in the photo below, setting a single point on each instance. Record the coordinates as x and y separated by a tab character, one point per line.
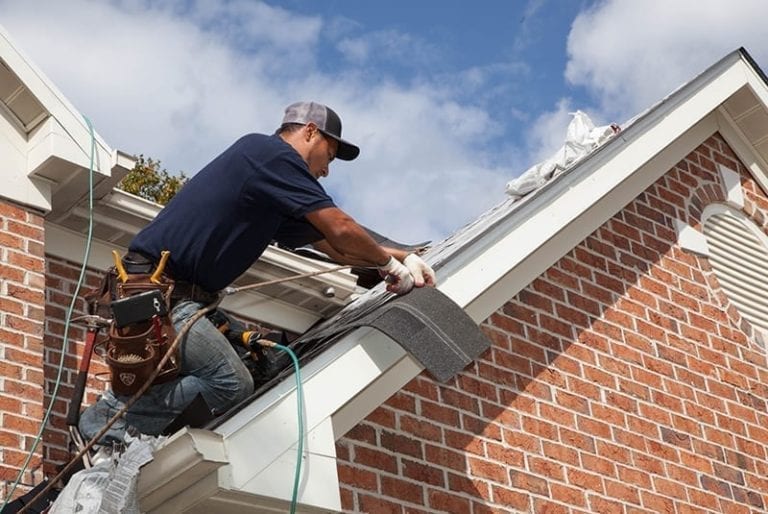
221	221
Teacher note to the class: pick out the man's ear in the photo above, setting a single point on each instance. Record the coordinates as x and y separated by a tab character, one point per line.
309	129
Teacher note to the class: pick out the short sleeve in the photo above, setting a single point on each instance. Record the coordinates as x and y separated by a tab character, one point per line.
287	184
294	233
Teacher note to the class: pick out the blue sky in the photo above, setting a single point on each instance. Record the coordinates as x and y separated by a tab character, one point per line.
448	100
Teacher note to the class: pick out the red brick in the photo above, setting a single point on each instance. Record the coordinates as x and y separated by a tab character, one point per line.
535	301
12	211
487	469
440	413
478	387
376	459
402	401
423	473
569	495
12	241
20	424
25	261
23	325
481	427
593	427
445	457
11	273
443	501
464	402
469	485
421	428
347	499
514	499
373	505
402	490
506	324
656	503
528	482
24	230
647	463
584	480
401	444
362	432
383	417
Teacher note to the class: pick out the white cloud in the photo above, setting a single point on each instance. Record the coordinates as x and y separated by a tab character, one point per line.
390	46
179	81
548	131
630	54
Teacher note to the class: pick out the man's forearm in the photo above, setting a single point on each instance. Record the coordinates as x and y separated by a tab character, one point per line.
325	247
347	241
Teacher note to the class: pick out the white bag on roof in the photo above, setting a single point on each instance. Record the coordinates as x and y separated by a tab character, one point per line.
582	137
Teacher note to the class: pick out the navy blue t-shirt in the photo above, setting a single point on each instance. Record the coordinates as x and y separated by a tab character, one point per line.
221	221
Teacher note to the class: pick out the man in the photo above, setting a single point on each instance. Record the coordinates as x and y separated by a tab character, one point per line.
262	188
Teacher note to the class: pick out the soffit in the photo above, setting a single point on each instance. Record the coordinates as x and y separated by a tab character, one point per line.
750	115
26	110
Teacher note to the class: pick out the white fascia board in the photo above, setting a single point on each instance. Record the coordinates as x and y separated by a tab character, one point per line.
329	382
51	140
17	186
144	210
319	486
587	198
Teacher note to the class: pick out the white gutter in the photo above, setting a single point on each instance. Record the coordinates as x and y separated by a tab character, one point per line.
187	457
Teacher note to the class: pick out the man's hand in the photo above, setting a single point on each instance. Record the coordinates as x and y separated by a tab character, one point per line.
398	276
422	273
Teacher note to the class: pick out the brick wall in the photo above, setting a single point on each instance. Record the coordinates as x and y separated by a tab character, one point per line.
61	283
22	285
619	381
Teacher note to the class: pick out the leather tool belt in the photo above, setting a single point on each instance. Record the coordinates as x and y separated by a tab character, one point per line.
136	296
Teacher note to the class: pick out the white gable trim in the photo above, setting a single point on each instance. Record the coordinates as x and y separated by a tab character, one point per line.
548	235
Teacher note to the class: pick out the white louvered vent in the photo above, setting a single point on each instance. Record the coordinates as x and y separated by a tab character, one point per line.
738	252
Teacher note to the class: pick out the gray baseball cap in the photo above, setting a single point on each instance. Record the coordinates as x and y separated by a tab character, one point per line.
326	120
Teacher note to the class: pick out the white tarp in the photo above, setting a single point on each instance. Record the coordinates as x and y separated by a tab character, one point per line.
581	139
108	487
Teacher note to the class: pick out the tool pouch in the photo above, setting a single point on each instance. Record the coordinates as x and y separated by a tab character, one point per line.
141	331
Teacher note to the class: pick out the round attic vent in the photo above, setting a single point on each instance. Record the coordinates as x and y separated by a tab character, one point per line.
738	252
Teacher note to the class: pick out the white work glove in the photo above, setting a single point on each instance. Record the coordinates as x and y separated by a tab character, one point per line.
422	273
398	277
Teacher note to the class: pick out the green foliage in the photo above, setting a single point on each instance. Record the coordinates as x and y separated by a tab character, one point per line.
151	182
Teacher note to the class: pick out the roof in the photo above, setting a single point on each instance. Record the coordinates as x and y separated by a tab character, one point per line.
479	268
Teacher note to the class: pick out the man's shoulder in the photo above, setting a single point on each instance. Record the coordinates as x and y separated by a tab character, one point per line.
261	140
264	148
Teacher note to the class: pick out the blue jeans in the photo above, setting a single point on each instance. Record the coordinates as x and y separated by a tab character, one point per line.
209	366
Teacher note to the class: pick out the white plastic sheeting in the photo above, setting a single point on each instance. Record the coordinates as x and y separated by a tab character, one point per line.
581	139
108	487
